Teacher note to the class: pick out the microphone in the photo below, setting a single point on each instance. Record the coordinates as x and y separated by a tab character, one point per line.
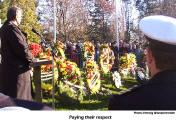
33	30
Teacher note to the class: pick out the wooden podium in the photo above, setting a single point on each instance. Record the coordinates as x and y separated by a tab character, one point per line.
37	77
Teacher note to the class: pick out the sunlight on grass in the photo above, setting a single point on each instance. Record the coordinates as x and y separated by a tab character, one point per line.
91	101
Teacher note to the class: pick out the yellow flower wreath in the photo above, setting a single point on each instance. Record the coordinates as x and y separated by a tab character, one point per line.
93	76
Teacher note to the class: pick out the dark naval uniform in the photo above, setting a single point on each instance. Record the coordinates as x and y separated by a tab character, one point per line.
158	94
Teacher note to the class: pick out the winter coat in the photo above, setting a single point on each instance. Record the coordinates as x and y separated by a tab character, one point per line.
15	62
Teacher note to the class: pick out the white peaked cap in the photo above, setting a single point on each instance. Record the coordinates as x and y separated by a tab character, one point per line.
159	27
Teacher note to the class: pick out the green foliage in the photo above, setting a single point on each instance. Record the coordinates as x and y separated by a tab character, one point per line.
29	17
81	93
4	5
69	94
98	101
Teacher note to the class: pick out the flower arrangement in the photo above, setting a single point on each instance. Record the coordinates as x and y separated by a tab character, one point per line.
64	70
69	79
59	46
93	76
47	85
92	69
89	51
46	68
46	54
106	58
35	49
68	70
141	75
127	64
117	79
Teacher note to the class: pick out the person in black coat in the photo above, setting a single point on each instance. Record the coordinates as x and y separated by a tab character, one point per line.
114	48
159	92
15	57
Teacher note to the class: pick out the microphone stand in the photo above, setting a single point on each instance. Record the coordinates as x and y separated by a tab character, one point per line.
48	45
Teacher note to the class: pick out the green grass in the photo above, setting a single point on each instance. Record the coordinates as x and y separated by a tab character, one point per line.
91	101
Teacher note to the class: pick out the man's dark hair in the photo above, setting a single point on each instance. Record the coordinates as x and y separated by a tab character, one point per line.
164	54
12	12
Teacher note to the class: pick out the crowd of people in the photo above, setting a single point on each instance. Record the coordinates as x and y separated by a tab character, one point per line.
74	51
157	94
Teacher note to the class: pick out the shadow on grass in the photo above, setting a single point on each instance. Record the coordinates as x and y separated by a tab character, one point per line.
128	83
91	101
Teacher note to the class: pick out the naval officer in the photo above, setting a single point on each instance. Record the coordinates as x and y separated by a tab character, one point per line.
160	92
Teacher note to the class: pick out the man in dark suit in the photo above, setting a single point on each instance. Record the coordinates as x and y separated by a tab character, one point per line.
15	57
159	92
114	48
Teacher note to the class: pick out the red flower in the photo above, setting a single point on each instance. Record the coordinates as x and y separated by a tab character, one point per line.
42	68
90	76
61	65
57	42
48	50
69	67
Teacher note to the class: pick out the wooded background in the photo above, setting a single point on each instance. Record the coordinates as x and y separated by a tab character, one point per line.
87	20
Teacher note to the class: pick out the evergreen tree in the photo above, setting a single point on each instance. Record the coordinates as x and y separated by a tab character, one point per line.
3	10
29	17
